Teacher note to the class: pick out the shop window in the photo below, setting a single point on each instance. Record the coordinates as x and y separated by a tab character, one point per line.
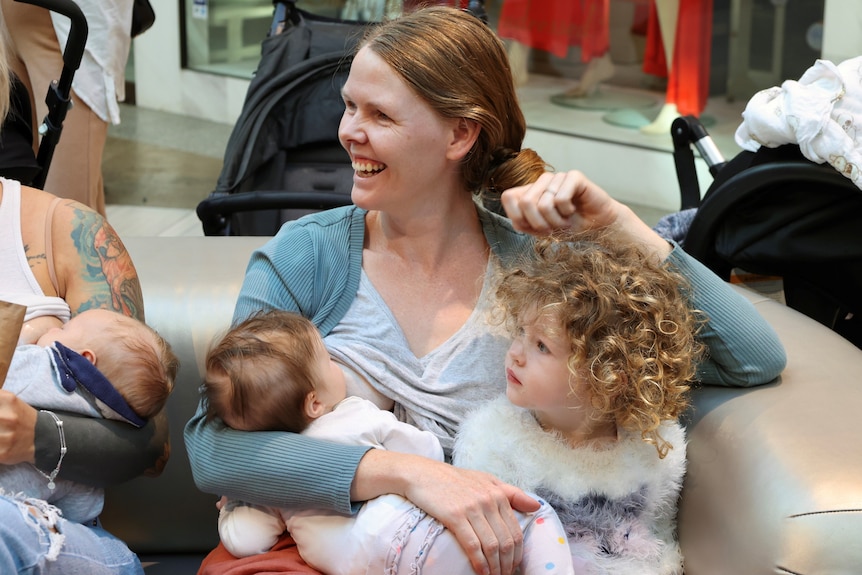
224	36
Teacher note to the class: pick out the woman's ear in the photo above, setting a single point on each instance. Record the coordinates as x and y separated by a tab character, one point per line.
465	132
312	406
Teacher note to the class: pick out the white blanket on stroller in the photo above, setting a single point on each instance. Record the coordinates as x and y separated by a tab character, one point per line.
822	113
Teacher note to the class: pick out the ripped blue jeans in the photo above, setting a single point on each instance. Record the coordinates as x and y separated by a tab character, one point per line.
36	540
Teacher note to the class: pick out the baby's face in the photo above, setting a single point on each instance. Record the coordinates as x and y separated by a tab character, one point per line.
83	331
332	385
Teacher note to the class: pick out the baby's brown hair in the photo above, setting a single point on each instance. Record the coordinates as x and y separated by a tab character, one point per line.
142	365
261	372
626	317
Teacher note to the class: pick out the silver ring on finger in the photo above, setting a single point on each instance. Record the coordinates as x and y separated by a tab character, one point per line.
551	191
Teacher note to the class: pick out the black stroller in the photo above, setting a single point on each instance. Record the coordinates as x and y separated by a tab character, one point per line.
283	153
16	136
775	213
283	158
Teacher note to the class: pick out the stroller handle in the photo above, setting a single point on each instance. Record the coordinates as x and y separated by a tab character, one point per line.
215	210
685	131
59	93
77	34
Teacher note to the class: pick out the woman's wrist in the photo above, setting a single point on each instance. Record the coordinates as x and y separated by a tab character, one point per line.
381	472
46	444
628	224
61	434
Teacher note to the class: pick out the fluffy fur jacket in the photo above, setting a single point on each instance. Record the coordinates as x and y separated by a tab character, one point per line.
617	502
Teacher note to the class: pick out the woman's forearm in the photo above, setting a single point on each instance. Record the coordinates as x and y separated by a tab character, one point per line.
379	473
629	225
744	350
277	469
101	452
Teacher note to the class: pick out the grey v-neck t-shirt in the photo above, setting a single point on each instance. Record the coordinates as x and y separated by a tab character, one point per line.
433	392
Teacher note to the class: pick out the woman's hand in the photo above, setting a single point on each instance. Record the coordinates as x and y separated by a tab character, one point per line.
565	200
476	507
559	201
17	430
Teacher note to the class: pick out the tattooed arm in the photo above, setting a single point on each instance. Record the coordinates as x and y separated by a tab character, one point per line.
93	270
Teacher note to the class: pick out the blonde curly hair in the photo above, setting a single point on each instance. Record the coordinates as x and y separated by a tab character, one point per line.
626	316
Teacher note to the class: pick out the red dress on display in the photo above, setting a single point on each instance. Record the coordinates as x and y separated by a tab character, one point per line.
555	25
688	80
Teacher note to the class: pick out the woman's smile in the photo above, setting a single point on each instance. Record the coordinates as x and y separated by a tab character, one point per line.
366	168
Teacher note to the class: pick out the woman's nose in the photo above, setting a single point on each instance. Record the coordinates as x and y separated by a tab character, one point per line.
349	129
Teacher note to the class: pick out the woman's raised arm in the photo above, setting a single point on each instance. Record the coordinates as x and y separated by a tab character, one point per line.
743	349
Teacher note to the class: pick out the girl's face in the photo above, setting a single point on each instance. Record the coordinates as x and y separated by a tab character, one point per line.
537	371
538	379
398	144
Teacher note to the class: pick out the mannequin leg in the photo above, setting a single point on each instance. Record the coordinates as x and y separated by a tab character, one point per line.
661	124
598	70
519	56
688	70
668	15
593	17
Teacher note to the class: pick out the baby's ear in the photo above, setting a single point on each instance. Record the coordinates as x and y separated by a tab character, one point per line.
313	407
89	355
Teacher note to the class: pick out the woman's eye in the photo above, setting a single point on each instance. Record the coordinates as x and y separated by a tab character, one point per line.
540	345
382	116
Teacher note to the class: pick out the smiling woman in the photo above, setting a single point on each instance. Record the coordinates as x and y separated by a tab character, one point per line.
398	285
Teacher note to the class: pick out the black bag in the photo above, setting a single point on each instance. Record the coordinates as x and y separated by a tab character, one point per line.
143	17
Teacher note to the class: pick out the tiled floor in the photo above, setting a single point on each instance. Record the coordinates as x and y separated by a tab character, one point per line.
158	166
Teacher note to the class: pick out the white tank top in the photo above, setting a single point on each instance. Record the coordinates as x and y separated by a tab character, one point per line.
17	282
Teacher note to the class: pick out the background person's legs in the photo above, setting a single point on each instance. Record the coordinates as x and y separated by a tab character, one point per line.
36	57
76	170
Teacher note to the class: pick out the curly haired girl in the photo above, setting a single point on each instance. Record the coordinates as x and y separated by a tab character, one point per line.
599	371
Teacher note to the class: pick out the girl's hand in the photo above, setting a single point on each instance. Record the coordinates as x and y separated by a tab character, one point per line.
476	507
569	200
17	430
